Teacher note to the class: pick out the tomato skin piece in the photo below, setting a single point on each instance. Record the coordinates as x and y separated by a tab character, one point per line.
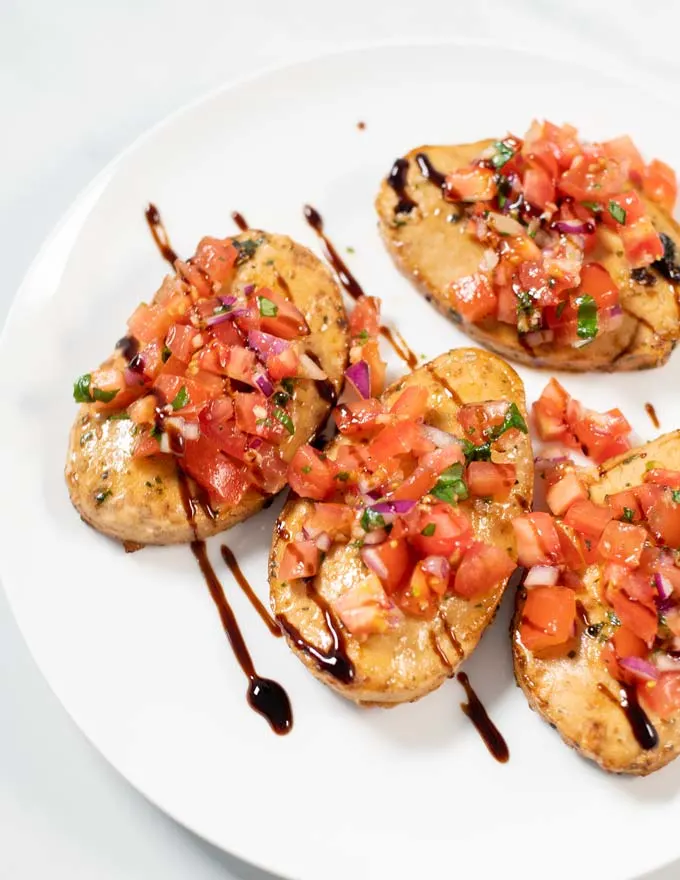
588	519
471	184
482	568
359	418
486	479
365	316
663	477
622	543
300	560
180	341
225	481
336	519
404	438
394	555
621	502
664	521
411	403
664	697
548	618
310	475
537	539
473	297
427	473
564	493
452	531
660	184
539	188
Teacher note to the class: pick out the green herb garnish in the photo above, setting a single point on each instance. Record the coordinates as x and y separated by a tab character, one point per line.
617	212
104	396
513	419
343	476
281	398
268	309
560	308
288	386
307	469
451	486
166	354
476	453
284	418
586	327
246	248
592	206
156	432
676	495
81	389
119	417
429	530
181	399
371	520
628	515
503	153
362	336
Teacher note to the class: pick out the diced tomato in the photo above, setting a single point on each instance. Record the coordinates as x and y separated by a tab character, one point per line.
427	472
648	494
602	435
622	542
663	477
336	519
240	365
626	154
195	276
365	317
300	560
170	387
180	341
472	184
439	530
664	697
394	556
507	304
143	410
641	243
149	322
482	568
268	470
564	493
588	519
108	381
359	418
418	599
624	505
537	540
477	419
539	188
370	352
592	178
225	481
550	414
310	475
664	521
548	618
403	438
487	479
216	258
632	206
411	403
365	609
146	445
624	643
571	545
284	365
254	415
631	595
473	297
598	283
659	184
288	322
350	457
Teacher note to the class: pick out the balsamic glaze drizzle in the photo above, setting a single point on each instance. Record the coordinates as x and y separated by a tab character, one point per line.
242	581
429	172
640	724
476	712
160	235
450	390
397	180
651	412
239	220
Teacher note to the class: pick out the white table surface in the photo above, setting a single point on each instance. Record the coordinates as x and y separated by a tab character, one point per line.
78	82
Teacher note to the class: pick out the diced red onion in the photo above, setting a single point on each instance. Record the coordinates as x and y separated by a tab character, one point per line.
667	663
375	536
504	224
248	289
164	443
309	370
489	260
227	301
264	384
214	320
574	227
441	439
542	576
323	542
373	560
266	343
359	377
438	566
663	586
538	337
255	442
611	318
642	669
133	378
393	508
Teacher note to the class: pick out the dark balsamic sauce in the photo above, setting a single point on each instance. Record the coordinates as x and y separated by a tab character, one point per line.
128	347
453	394
476	712
324	387
265	696
429	172
651	412
335	661
353	287
455	644
239	220
582	613
283	284
160	236
397	180
242	581
642	728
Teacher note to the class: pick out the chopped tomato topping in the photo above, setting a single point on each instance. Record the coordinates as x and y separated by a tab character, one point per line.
624	505
310	475
300	560
659	184
365	317
482	569
473	184
664	520
631	595
411	403
360	418
537	540
564	493
440	530
663	477
489	480
472	296
335	519
366	610
548	617
225	481
404	438
622	543
393	555
588	519
664	697
427	472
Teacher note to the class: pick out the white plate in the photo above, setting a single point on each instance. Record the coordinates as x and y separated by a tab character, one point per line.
132	644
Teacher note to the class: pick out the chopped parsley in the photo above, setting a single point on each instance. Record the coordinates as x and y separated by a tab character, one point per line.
156	432
617	212
628	515
676	495
502	154
613	619
181	399
371	520
104	396
586	327
651	465
343	476
307	469
281	398
282	416
560	308
165	356
513	419
119	417
268	309
362	336
476	453
350	249
81	389
288	386
246	248
429	530
592	206
451	486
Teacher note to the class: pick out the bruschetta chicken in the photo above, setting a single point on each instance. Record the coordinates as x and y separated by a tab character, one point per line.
392	555
233	366
550	251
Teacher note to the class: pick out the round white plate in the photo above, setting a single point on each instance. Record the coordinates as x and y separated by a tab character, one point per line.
132	644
